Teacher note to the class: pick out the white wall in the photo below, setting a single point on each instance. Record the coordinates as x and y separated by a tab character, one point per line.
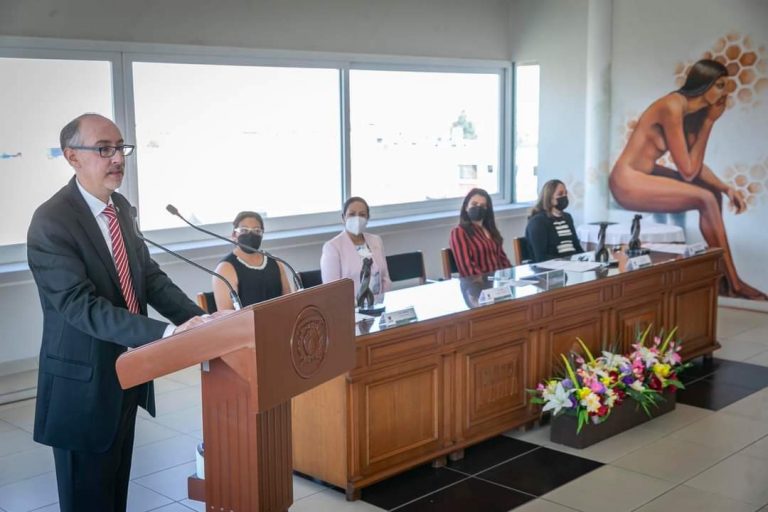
435	28
553	33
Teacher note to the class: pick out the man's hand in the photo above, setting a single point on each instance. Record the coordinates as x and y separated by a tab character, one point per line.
189	324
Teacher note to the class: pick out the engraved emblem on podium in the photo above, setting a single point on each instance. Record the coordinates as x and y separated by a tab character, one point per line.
309	342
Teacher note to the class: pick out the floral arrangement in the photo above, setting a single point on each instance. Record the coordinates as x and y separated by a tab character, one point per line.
592	387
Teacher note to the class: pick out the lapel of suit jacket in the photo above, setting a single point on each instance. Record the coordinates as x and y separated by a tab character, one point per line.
126	228
88	223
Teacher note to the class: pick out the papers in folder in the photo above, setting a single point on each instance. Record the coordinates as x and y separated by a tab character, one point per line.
569	266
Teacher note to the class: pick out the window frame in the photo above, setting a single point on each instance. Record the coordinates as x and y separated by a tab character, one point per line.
122	56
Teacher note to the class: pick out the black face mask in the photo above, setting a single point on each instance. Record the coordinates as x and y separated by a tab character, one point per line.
251	240
476	213
562	203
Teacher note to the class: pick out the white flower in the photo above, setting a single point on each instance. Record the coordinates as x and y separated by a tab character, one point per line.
591	402
637	385
558	400
614	360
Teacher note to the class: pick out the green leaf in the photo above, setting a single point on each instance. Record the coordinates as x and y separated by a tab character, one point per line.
586	350
641	341
571	374
667	340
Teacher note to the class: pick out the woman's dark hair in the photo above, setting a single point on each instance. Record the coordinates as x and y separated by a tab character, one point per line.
544	203
247	215
355	199
701	76
489	221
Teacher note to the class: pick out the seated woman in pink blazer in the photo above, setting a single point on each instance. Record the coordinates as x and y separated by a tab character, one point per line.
343	255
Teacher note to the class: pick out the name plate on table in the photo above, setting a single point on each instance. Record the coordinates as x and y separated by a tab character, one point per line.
694	249
400	317
497	294
639	262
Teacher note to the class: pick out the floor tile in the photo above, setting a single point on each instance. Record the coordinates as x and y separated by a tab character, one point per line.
50	508
754	406
148	431
731	322
700	367
141	499
724	430
489	453
542	505
761	359
162	455
5	426
21	414
331	501
757	449
617	446
469	494
187	421
188	376
165	385
409	486
671	459
741	374
198	506
303	487
23	465
178	400
609	489
758	334
684	498
171	482
708	394
682	416
738	477
29	494
740	350
539	471
14	441
173	507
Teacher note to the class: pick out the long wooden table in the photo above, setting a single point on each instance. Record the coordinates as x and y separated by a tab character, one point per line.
426	390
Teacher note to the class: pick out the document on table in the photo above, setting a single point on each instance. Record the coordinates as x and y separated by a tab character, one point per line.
670	248
569	266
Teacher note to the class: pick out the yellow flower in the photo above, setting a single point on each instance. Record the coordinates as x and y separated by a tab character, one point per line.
606	381
584	393
661	370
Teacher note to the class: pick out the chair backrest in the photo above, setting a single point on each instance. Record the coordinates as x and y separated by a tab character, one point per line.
407	265
310	278
522	250
206	301
449	263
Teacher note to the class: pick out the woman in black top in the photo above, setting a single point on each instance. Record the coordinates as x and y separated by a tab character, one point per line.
255	276
550	230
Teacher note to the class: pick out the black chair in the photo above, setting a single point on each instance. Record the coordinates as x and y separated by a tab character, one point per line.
523	253
310	278
449	263
207	302
407	265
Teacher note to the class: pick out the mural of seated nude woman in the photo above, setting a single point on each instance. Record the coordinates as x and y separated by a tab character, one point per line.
681	122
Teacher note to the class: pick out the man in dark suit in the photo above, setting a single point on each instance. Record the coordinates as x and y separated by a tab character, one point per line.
95	279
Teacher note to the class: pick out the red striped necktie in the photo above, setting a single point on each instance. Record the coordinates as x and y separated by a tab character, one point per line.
121	260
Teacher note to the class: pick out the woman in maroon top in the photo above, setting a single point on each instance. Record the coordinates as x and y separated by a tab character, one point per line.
476	242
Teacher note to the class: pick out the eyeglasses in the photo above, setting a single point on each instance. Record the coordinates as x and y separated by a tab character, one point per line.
108	151
244	231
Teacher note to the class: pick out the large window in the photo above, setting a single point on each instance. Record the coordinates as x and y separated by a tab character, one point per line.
287	134
217	139
39	96
526	131
420	136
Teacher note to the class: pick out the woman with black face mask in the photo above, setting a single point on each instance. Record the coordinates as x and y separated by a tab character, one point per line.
476	242
255	276
550	230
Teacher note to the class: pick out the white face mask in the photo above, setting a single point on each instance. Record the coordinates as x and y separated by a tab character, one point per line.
355	225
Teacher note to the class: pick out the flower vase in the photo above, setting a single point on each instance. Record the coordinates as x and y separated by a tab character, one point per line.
623	417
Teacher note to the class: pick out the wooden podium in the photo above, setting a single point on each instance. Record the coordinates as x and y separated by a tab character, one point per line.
253	362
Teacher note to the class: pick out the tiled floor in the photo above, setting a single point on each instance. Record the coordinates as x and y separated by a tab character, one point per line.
710	454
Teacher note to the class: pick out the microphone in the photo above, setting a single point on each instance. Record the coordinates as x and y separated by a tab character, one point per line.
232	293
294	275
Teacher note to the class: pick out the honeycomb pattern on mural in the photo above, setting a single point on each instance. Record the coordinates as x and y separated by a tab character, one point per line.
750	180
747	66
